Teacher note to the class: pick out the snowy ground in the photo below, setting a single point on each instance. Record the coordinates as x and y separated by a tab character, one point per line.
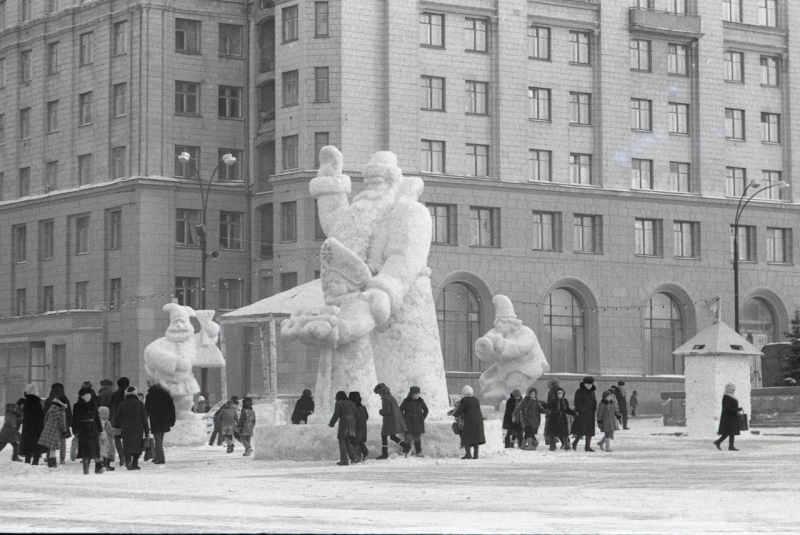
653	482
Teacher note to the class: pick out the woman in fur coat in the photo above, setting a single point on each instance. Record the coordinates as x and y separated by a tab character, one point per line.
32	425
557	424
131	418
362	415
472	435
55	428
86	428
528	413
729	419
607	419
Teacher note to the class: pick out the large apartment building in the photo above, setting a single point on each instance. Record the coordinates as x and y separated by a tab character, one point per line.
585	158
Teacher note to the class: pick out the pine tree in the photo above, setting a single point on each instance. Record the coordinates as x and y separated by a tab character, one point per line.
791	359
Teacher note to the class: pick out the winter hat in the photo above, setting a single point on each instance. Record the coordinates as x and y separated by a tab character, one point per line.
123	382
32	389
379	388
201	398
306	393
606	394
235	400
247	403
106	382
589	380
103	412
553	383
87	384
730	388
503	307
341	395
532	390
131	391
83	391
467	391
355	397
414	390
516	393
559	389
621	383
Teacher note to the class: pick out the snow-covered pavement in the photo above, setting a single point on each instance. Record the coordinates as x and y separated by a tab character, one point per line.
653	482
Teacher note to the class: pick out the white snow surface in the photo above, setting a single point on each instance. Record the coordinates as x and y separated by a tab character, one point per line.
654	482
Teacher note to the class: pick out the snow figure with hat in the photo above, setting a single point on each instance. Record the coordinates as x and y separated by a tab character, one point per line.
389	230
342	327
169	360
514	352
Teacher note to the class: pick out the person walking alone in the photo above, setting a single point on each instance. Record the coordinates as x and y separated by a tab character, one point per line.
247	423
729	423
472	435
585	406
161	410
393	422
414	412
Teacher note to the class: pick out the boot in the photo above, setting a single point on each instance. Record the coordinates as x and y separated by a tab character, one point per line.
247	452
601	443
588	446
552	445
608	445
384	453
406	448
508	442
135	463
468	455
230	447
99	467
717	443
15	453
575	443
86	466
474	452
418	449
52	462
109	462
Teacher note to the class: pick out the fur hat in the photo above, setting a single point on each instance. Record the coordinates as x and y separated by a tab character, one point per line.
123	382
516	393
336	257
32	389
380	388
467	391
87	384
355	397
532	390
414	390
131	391
103	412
106	382
589	380
621	383
84	390
235	400
553	383
307	393
341	395
606	393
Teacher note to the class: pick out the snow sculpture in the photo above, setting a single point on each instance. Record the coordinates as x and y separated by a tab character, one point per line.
169	360
390	232
514	351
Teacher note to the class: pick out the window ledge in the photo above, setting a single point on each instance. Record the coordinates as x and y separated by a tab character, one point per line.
680	134
740	82
446	244
324	35
184	246
540	120
230	56
473	51
82	253
577	64
290	105
322	101
234	250
181	114
84	124
775	86
434	109
540	59
585	125
649	256
778	263
642	131
189	52
476	114
231	118
437	47
773	143
485	247
648	71
687	258
677	75
735	139
588	252
547	250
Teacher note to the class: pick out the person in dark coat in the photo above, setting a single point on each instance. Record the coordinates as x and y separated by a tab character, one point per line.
557	423
303	408
131	418
586	407
414	412
472	435
393	422
510	423
607	418
634	402
57	391
116	399
622	402
86	427
246	425
9	434
729	423
32	425
161	409
345	413
362	415
528	413
552	385
105	393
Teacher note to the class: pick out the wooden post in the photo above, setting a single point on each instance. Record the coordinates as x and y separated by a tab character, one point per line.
273	360
265	360
224	370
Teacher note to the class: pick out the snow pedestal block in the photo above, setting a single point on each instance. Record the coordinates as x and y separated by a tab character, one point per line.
317	442
187	433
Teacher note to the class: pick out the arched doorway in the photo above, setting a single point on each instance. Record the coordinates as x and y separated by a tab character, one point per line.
663	334
458	312
564	335
759	320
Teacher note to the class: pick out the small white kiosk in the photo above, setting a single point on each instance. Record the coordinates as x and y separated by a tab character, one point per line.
718	355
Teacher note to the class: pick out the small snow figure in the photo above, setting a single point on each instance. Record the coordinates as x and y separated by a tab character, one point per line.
528	412
557	424
362	415
607	417
247	422
634	402
345	413
729	423
303	408
514	352
393	422
585	406
9	434
414	412
511	422
472	435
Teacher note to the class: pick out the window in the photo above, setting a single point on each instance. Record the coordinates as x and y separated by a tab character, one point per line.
477	160
734	124
185	223
84	169
187	291
580	108
432	93
187	97
640	55
477	97
114	230
85	108
289	18
663	334
289	221
779	244
229	103
87	48
2	130
25	65
288	281
546	231
768	13
26	10
20	243
734	67
229	173
679	177
746	243
230	294
432	156
540	167
187	35
770	127
52	6
477	31
587	231
2	65
734	181
641	113
319	233
48	240
120	100
290	88
443	219
50	176
676	6
21	304
81	295
230	40
230	230
289	144
769	70
24	181
2	14
82	234
184	170
52	58
115	294
118	162
115	359
539	103
484	224
320	140
431	27
120	38
579	43
732	10
266	232
52	116
580	168
321	84
47	299
539	42
648	237
563	331
678	118
769	178
641	174
320	19
686	238
677	59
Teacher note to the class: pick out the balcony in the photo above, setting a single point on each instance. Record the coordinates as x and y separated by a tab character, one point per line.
665	22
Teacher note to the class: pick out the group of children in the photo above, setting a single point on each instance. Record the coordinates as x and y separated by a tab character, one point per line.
231	423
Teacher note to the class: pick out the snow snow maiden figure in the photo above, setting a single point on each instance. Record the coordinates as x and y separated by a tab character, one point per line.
9	434
528	413
362	415
729	423
414	412
472	435
345	413
55	428
393	422
247	422
557	424
607	419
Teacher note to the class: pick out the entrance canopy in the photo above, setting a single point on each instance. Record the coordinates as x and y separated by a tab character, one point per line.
308	295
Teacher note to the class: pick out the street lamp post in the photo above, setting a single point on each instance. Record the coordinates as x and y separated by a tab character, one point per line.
739	209
205	189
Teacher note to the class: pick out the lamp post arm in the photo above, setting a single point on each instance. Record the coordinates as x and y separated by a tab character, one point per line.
743	206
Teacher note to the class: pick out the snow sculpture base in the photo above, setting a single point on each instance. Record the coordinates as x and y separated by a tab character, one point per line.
187	433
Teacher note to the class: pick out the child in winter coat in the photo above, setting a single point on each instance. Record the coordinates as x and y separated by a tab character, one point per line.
362	415
9	434
414	412
247	422
528	413
607	416
558	424
55	427
634	402
228	420
107	434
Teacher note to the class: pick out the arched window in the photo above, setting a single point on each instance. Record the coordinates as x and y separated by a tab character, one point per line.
458	312
663	334
563	333
758	318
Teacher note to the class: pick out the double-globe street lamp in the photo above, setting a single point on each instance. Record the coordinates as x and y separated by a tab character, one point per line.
754	185
205	188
